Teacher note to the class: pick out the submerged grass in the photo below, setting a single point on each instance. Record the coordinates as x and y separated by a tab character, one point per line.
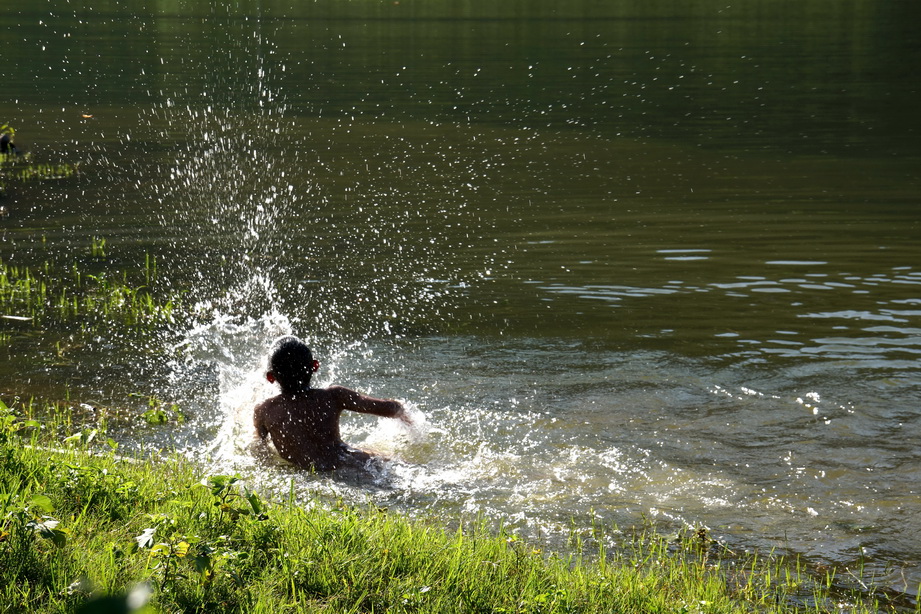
19	167
80	526
51	292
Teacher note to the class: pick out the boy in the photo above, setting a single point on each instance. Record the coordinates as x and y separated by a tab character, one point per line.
304	421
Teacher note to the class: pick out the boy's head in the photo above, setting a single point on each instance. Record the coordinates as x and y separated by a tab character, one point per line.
291	364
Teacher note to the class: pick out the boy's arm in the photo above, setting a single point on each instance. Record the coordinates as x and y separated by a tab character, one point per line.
261	431
355	401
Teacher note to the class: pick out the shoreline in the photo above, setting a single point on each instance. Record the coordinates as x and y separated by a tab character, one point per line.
83	524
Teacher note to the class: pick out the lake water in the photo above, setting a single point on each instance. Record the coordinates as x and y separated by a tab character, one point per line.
624	263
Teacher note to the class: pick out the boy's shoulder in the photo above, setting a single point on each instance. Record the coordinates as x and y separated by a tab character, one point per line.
337	395
315	394
341	394
269	403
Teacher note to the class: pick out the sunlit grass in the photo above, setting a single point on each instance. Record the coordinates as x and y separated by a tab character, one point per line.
51	292
79	523
29	171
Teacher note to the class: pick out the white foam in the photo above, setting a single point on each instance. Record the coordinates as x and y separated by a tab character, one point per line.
235	350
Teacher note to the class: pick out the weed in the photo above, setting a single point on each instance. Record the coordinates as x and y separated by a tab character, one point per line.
48	293
159	413
224	493
98	248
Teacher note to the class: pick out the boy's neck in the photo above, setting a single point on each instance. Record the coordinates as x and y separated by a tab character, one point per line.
297	390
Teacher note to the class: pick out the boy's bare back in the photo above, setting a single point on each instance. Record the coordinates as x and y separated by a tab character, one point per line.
304	421
305	426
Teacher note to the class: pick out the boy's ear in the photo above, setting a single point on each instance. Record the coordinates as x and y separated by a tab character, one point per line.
315	367
271	377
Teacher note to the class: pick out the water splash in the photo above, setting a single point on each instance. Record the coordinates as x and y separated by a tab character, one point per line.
229	350
300	225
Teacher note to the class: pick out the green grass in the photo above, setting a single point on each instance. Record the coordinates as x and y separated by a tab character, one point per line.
80	525
56	293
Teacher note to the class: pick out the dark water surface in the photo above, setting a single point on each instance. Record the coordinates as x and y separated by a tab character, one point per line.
624	262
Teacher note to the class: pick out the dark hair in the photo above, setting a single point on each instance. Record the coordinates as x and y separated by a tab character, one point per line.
291	361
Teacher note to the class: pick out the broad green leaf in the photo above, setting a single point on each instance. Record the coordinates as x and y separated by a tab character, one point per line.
181	549
160	549
59	536
155	416
42	502
203	563
254	502
47	528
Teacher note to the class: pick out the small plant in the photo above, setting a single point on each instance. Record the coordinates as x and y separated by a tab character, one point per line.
163	556
26	525
224	493
150	268
98	248
158	413
175	555
11	425
22	520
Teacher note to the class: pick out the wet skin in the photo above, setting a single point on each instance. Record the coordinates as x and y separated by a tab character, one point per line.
304	426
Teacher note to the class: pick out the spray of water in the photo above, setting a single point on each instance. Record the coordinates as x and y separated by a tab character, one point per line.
280	231
271	240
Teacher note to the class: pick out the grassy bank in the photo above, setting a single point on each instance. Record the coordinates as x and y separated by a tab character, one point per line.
80	527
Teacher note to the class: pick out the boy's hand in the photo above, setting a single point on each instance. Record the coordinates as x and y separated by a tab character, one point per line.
404	416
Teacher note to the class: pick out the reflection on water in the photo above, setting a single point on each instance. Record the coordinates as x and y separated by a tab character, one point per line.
844	333
662	266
